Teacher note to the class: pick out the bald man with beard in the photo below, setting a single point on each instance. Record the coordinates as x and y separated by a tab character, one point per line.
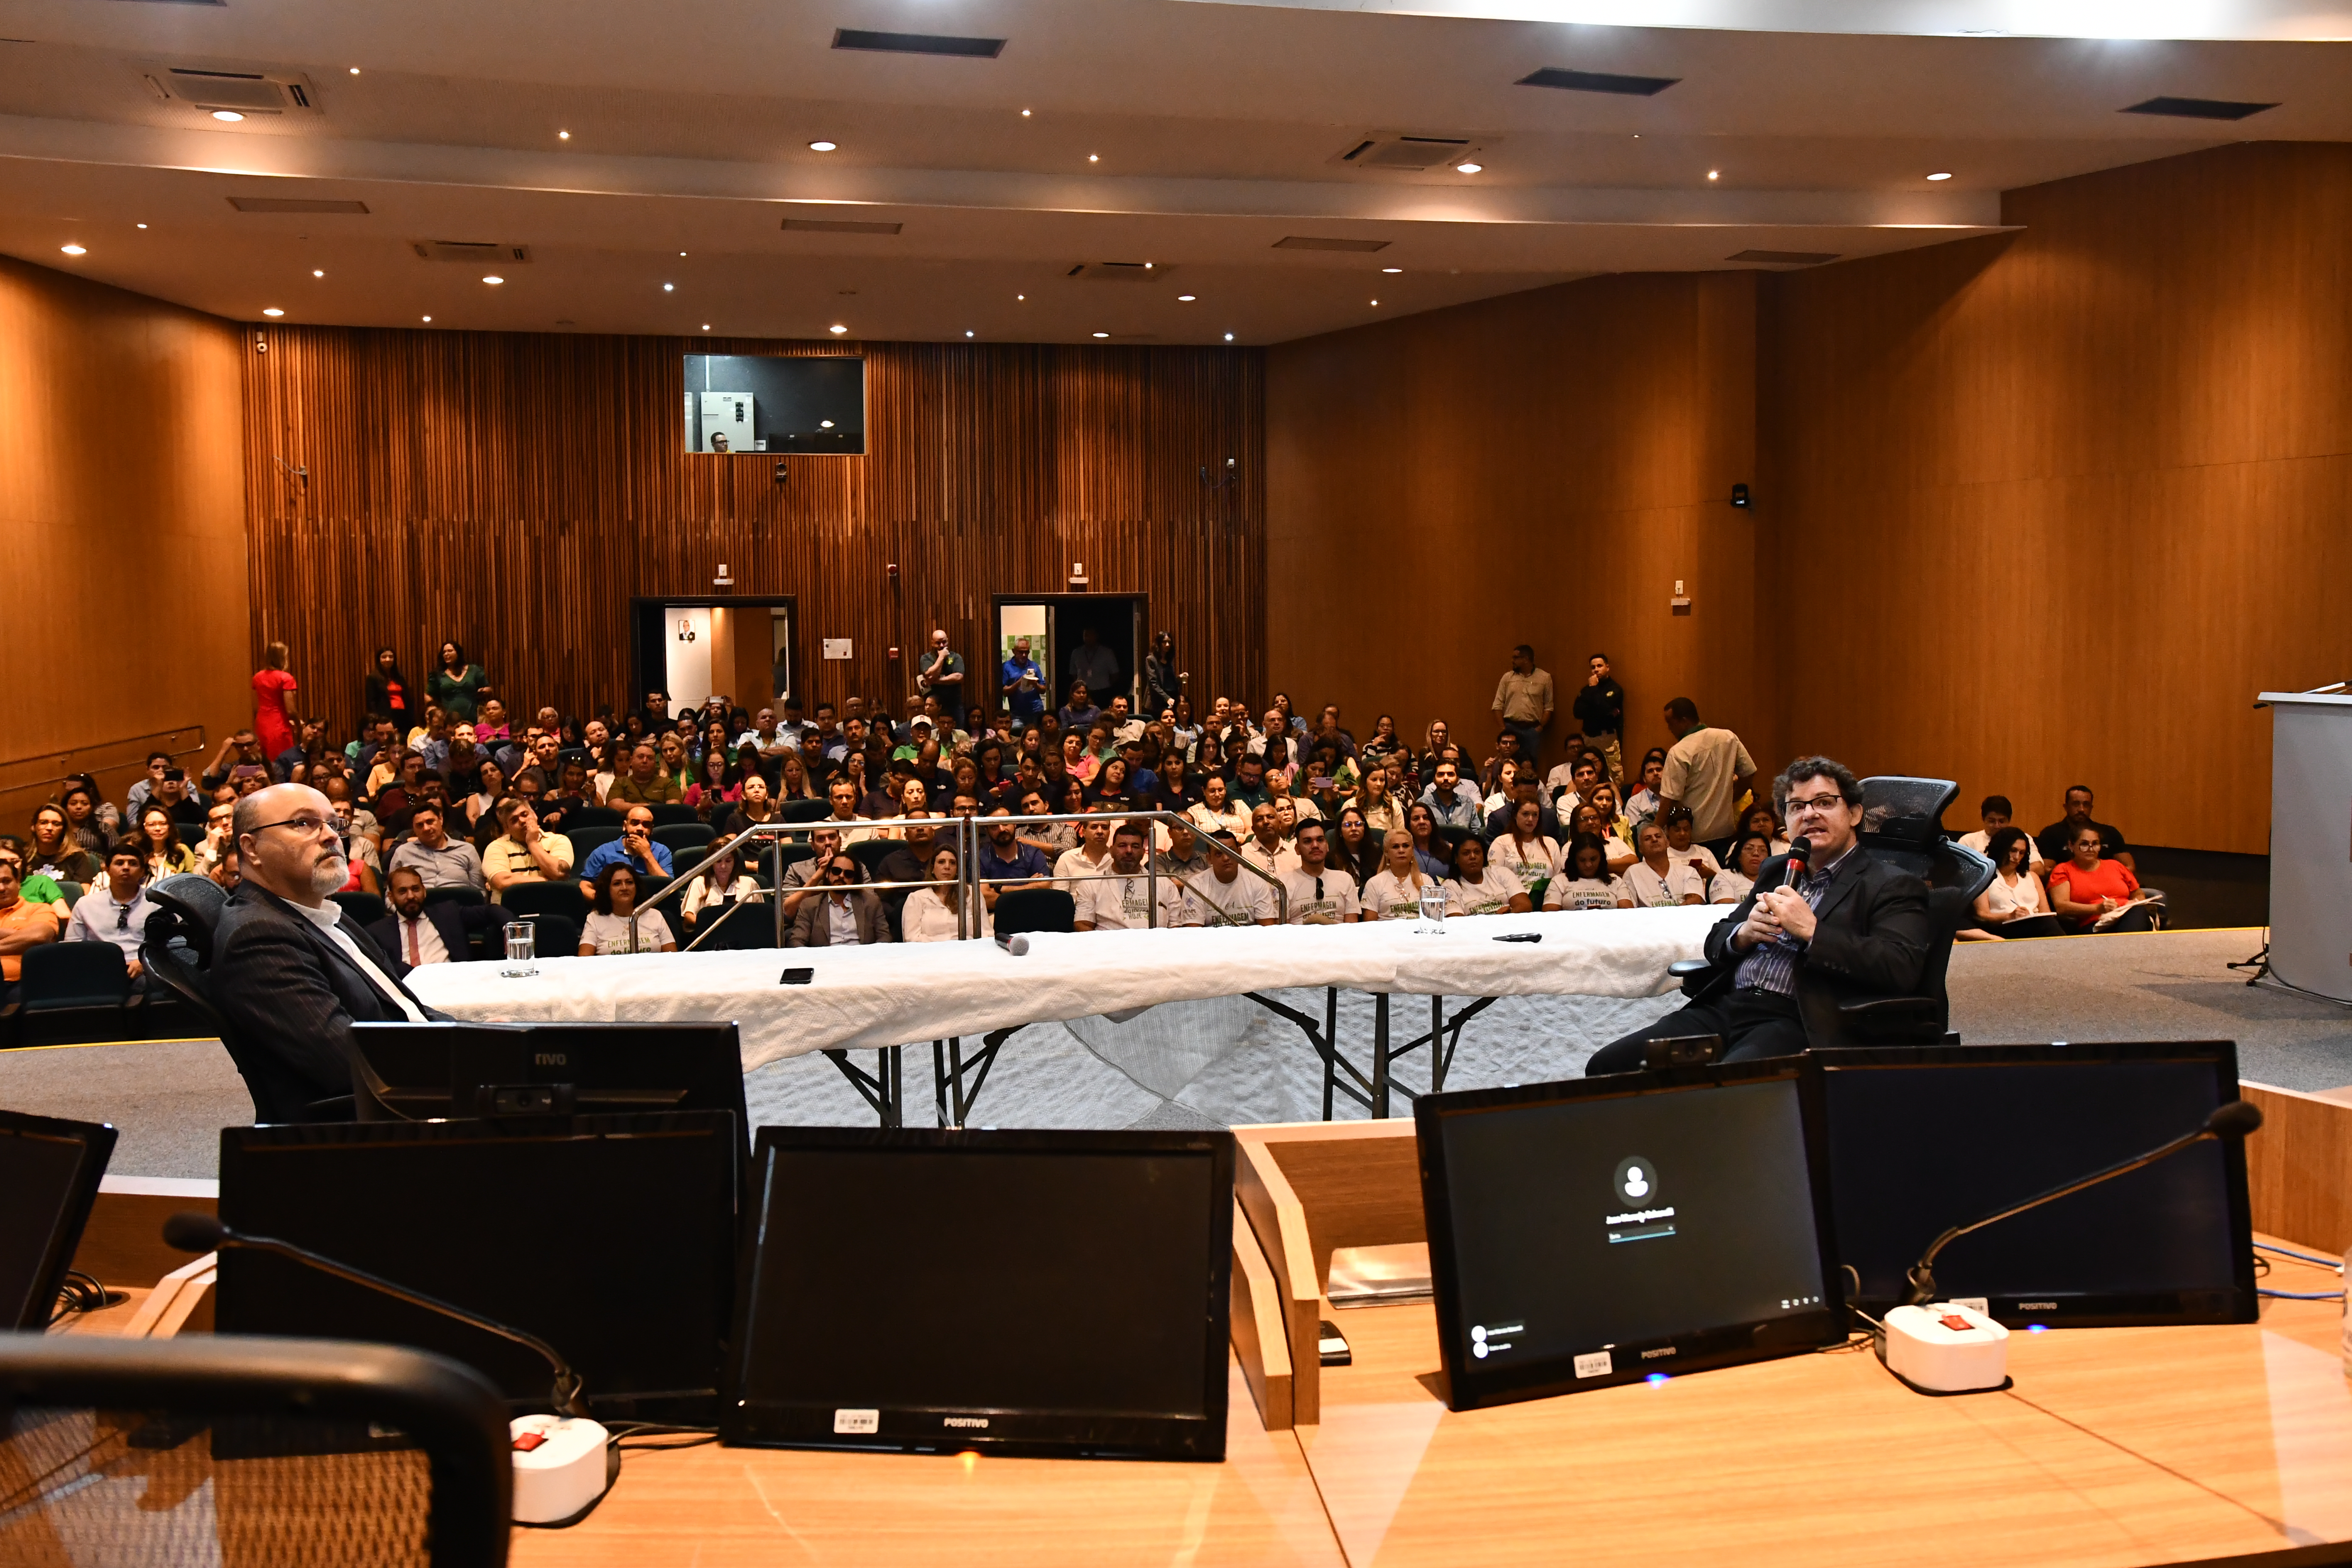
291	971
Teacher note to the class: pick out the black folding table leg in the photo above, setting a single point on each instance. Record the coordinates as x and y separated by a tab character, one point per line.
1331	1037
1379	1055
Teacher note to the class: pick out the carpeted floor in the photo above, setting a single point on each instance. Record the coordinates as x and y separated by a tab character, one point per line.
169	1099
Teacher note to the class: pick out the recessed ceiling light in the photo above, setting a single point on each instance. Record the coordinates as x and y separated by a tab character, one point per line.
823	146
1094	157
1714	173
493	277
825	424
228	116
1941	175
355	70
1186	299
705	326
1102	334
143	225
836	327
1467	168
967	332
75	249
1392	269
1025	114
271	311
1229	337
316	273
563	136
428	318
681	253
1021	296
1376	301
669	287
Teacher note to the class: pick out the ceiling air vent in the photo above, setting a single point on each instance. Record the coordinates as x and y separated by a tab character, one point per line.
1598	81
1117	271
837	226
257	91
1408	154
294	204
1309	242
2198	108
917	44
471	251
1786	258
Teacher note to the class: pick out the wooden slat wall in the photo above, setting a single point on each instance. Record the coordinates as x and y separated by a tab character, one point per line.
512	491
1539	467
2083	489
121	507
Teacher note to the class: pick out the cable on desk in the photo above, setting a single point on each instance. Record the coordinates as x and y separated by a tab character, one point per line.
696	1436
2305	1257
2304	1295
81	1292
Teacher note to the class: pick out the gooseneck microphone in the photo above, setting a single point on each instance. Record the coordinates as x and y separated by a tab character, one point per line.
2234	1120
194	1232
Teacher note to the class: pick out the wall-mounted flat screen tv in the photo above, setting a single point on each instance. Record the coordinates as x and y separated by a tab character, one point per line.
775	403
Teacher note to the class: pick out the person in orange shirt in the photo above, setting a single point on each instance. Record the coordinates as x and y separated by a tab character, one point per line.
23	924
2087	887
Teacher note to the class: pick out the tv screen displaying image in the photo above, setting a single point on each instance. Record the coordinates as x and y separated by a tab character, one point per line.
737	404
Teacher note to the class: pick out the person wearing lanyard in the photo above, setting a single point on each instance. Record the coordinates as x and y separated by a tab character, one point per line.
1823	929
291	971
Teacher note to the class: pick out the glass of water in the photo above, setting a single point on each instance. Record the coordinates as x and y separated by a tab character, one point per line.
522	940
1433	908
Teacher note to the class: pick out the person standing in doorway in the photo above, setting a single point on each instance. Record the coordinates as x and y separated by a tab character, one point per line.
1094	663
1023	685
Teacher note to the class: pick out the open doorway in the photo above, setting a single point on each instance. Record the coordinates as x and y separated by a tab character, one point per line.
745	649
1057	627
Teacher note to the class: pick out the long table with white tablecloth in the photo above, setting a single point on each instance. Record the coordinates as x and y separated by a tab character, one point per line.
903	993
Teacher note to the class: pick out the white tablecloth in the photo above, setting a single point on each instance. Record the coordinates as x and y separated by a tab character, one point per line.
905	993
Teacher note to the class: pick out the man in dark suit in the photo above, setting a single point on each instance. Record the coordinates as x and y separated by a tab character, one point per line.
291	971
417	933
1845	928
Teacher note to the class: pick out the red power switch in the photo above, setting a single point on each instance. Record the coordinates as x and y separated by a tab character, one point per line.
528	1441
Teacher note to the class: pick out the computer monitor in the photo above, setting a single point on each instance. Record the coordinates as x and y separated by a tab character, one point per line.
418	1071
611	1237
1920	1140
1059	1293
1609	1229
50	1171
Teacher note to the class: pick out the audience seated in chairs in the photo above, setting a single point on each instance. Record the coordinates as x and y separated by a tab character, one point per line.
417	932
2013	903
930	912
836	912
1737	878
1654	881
23	924
2091	893
116	910
2056	842
1478	887
618	925
1584	881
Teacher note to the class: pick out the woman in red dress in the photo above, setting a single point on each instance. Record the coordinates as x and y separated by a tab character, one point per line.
273	720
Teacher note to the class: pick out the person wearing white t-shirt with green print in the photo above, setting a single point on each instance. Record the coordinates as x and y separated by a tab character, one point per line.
1120	899
1319	893
1393	892
1737	878
1225	894
1654	881
1478	889
1584	882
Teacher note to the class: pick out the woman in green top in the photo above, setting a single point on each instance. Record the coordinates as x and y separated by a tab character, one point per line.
458	686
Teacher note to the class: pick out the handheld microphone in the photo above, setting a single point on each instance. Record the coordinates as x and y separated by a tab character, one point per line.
194	1232
1947	1347
1801	854
2235	1120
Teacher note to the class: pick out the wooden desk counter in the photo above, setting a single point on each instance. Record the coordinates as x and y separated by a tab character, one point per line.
2117	1447
713	1506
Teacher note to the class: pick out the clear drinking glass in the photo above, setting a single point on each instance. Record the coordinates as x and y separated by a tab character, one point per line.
1433	908
522	938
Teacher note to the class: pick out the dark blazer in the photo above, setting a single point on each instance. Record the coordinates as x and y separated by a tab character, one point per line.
452	921
812	928
1871	941
291	996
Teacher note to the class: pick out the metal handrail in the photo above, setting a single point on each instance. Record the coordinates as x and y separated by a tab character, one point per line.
165	735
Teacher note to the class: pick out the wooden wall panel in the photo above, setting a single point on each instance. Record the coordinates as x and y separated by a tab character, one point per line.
2082	489
121	505
1539	467
513	490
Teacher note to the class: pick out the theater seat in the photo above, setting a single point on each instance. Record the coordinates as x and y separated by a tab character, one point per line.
1022	910
586	841
595	817
364	908
523	900
73	991
804	810
671	813
691	839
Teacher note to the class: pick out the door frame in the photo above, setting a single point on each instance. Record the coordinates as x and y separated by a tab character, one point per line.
996	603
644	661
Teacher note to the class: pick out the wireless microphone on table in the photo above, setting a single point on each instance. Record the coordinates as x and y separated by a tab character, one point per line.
1940	1347
563	1463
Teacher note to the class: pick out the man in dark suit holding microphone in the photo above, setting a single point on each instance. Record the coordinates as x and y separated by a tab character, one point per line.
291	971
1825	925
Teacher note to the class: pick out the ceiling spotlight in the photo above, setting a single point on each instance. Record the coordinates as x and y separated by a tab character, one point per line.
355	70
428	318
75	249
1715	173
825	424
1941	175
705	326
316	273
271	311
669	287
563	136
1467	168
967	332
836	327
1025	114
228	116
1392	269
1021	296
493	279
1102	334
822	146
1229	337
143	225
1376	301
1094	157
681	253
1186	299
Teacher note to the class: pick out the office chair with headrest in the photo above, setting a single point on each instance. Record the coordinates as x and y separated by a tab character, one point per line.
1903	825
246	1449
177	950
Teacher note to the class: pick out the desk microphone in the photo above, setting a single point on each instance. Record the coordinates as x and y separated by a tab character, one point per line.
1947	1348
195	1232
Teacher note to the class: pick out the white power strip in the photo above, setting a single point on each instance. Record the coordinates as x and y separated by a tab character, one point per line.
560	1467
1944	1348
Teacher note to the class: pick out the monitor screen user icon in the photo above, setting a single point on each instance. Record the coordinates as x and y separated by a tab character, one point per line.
1637	1180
